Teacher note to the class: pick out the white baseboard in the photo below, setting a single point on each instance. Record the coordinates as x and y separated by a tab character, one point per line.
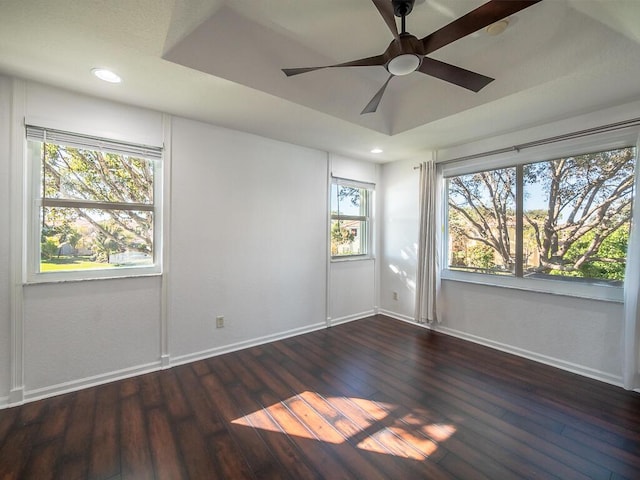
74	385
399	316
537	357
503	347
165	361
192	357
350	318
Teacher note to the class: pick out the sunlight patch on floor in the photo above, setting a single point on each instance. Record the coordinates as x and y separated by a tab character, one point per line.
372	426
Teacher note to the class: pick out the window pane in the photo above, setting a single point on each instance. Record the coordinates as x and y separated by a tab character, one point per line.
577	215
481	221
348	237
348	200
85	239
80	174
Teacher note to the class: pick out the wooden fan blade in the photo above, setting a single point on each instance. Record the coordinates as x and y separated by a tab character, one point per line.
385	7
473	21
452	74
372	106
363	62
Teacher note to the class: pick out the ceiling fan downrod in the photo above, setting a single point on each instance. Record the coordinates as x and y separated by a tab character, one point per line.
402	8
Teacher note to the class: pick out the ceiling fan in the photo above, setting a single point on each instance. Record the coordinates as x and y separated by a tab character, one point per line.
407	54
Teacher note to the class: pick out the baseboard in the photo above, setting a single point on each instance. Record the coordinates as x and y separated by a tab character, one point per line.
67	387
192	357
536	357
399	316
165	361
350	318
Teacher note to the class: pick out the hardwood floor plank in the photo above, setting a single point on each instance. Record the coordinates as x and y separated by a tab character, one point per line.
174	397
203	407
41	460
134	441
256	453
198	461
104	462
168	464
55	422
15	451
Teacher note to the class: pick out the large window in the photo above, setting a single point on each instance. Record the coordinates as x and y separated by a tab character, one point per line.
568	218
350	207
95	206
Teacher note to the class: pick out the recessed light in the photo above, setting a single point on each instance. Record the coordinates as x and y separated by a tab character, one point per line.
376	150
106	75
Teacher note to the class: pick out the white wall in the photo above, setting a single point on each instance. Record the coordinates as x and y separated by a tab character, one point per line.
248	239
5	179
576	334
353	283
399	238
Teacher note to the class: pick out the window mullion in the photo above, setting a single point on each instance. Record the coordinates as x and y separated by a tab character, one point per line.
519	260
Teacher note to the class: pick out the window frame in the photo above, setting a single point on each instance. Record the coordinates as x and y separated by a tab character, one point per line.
367	218
34	204
595	142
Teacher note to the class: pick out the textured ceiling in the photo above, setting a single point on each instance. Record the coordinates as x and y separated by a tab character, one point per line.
219	61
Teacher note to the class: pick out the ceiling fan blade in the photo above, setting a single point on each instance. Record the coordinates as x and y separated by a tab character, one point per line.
385	7
363	62
473	21
456	75
372	106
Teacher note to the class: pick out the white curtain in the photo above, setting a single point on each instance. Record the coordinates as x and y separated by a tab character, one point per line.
428	275
631	330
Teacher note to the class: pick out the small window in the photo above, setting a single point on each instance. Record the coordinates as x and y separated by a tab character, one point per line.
95	209
567	218
350	208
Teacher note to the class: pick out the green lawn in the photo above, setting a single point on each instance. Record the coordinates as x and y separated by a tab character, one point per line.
71	263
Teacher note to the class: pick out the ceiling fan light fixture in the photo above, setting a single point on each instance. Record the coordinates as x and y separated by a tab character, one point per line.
498	27
403	64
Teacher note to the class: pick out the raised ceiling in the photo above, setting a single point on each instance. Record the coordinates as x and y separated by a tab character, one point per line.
220	62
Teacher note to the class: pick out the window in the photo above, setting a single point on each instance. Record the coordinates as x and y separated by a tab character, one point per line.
350	208
568	218
95	209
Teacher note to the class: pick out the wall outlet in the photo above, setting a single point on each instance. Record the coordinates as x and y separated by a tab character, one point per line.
219	321
395	295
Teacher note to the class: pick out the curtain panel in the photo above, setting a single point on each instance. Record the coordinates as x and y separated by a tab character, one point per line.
427	274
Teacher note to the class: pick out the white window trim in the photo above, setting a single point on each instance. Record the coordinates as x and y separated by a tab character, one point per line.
31	261
597	142
371	188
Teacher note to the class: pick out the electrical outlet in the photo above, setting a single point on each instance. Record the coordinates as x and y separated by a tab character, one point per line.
395	295
219	321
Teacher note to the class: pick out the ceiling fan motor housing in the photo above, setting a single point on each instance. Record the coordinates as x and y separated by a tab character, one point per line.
402	8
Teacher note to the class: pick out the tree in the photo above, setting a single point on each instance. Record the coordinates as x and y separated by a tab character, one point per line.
94	176
586	195
485	204
340	236
581	231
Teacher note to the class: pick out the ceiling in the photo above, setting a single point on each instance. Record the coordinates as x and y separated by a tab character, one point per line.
219	61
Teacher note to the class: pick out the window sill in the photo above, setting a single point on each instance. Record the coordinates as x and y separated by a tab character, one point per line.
47	279
351	258
561	287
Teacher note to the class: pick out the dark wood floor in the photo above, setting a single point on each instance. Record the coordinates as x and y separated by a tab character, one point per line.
376	398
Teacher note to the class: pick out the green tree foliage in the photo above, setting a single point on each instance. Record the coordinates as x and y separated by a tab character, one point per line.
340	236
583	228
588	199
95	176
484	205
